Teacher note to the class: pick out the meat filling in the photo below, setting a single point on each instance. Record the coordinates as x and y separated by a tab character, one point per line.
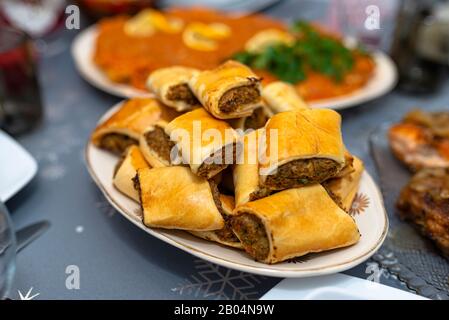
136	185
116	142
256	120
182	92
225	234
251	232
234	98
259	194
158	141
302	172
217	162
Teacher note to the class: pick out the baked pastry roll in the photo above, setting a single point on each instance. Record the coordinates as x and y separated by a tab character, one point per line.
348	167
207	144
292	223
156	145
126	169
344	188
246	170
281	96
255	121
230	91
224	236
170	85
125	126
175	198
302	147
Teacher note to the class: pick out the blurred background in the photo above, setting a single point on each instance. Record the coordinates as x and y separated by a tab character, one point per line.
414	32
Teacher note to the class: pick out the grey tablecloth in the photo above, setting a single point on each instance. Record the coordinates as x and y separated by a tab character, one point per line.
115	259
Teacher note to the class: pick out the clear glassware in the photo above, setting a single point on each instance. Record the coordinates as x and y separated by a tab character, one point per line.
7	252
20	99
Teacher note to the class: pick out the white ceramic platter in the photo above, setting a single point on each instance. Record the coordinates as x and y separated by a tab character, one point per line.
368	211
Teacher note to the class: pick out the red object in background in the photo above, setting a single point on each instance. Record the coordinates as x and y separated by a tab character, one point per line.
20	101
102	8
38	18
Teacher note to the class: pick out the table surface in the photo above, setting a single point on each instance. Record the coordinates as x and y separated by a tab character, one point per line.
115	259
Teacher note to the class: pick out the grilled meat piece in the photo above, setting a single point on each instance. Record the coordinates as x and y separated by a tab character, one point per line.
425	202
421	140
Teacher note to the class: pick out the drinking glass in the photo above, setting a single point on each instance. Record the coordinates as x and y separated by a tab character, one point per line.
7	252
20	100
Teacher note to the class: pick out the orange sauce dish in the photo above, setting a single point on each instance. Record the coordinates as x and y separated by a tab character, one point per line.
129	59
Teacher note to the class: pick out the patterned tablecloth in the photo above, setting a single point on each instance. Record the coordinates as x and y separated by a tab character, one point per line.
115	259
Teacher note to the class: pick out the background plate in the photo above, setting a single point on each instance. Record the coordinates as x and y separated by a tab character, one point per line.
383	80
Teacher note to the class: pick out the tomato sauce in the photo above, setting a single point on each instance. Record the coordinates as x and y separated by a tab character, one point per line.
127	59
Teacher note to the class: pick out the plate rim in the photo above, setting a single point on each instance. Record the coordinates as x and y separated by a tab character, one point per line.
272	272
347	101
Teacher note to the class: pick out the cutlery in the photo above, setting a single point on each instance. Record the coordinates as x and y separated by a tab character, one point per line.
30	233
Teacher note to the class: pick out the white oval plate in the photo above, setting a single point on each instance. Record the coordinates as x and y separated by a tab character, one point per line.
372	222
383	80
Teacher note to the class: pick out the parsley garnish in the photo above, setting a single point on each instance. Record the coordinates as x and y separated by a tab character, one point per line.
310	51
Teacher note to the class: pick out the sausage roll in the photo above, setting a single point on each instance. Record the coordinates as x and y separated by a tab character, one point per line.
125	126
281	96
175	198
224	236
170	85
156	145
292	223
344	188
246	170
207	144
126	169
302	147
230	91
255	121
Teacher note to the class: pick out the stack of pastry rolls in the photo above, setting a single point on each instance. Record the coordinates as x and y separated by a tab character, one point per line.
200	156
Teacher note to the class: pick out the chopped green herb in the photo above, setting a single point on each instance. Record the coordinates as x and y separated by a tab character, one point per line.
310	51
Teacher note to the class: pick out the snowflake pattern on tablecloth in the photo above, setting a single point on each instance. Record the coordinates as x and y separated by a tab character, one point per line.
105	207
213	281
53	171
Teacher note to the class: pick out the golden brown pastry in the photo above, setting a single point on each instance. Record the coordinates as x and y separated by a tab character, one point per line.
229	91
126	169
348	167
125	126
170	85
224	236
175	198
344	188
255	121
292	223
156	145
246	170
207	144
302	147
281	96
